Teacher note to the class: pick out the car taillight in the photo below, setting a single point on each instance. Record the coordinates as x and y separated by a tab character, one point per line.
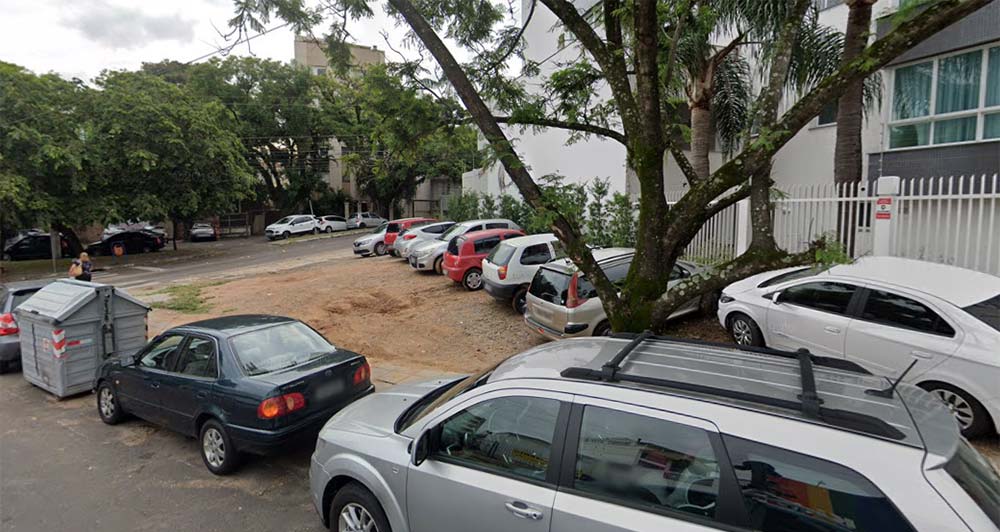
7	325
362	374
502	272
573	299
409	237
274	407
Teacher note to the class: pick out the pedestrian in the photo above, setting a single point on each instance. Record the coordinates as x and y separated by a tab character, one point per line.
80	269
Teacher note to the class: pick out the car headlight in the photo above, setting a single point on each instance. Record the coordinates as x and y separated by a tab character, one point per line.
366	241
726	299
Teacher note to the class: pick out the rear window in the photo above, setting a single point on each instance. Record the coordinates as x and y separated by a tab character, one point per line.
455	244
988	311
485	245
20	297
616	274
550	285
801	273
501	254
279	347
978	478
393	228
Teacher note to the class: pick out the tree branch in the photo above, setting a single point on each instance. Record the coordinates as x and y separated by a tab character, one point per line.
561	124
718	206
684	164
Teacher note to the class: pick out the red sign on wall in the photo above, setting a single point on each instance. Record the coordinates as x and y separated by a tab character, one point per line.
883	209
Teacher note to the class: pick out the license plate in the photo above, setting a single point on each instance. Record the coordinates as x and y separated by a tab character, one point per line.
328	390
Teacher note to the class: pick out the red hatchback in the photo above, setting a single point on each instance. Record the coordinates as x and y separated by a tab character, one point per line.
398	226
463	262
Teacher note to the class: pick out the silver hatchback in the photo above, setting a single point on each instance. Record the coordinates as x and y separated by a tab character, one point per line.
647	434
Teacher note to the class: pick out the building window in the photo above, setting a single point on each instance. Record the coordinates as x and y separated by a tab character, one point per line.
828	115
949	99
319	71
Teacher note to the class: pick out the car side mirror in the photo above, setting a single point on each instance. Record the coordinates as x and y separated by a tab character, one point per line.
420	449
129	361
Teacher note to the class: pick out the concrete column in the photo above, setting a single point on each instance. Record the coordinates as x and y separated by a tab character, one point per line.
883	233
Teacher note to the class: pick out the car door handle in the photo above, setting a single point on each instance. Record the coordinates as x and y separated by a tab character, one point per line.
519	509
154	384
831	329
201	395
921	354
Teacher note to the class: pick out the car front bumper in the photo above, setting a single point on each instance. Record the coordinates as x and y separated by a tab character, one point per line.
365	249
500	292
268	442
422	263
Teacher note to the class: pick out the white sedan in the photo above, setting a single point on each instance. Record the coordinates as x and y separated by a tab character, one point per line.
885	313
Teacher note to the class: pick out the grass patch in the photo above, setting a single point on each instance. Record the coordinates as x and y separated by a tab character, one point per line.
184	298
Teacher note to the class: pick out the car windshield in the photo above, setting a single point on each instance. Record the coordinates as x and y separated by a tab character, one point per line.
987	311
453	232
441	395
279	347
501	254
201	226
978	478
801	273
380	229
283	221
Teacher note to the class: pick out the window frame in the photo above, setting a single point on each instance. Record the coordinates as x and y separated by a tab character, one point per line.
852	305
187	343
731	513
866	291
980	112
181	347
524	250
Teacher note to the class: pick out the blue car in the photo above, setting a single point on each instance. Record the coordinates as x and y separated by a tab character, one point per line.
240	384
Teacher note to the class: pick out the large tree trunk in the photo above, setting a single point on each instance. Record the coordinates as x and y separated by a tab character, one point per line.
850	108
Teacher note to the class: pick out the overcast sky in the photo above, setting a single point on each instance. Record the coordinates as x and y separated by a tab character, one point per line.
79	38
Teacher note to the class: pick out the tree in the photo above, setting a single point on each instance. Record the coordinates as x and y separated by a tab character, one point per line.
624	40
847	162
41	151
162	153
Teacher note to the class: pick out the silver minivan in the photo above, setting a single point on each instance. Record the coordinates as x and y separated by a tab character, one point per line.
646	434
562	303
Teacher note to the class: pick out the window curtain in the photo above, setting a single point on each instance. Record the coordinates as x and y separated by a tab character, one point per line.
993	78
911	94
955	130
958	82
991	127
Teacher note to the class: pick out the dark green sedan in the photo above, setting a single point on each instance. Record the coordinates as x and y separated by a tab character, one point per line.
240	384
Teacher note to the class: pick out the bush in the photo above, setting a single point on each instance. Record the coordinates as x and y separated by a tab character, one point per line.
464	206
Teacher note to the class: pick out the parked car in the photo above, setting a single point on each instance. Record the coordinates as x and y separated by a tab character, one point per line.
156	229
510	267
372	243
463	260
562	303
410	238
203	232
33	245
133	242
430	254
11	296
364	219
240	384
645	434
398	226
331	223
297	224
885	313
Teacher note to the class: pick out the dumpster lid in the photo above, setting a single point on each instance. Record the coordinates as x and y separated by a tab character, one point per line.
59	300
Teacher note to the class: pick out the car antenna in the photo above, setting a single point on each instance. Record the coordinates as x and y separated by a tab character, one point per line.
887	393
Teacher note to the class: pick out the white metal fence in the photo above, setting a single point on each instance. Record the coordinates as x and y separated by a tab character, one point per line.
951	220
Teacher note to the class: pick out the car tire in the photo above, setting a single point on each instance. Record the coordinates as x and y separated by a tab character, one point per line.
379	249
286	235
520	301
473	279
5	366
329	229
744	331
972	417
354	503
362	225
439	265
217	450
603	329
107	404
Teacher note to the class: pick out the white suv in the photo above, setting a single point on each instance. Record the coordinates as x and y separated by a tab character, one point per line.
297	224
510	267
645	434
887	314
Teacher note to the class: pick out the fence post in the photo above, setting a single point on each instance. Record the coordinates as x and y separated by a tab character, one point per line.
742	226
886	189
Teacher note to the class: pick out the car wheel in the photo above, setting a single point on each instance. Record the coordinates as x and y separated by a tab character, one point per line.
362	225
329	229
107	404
379	249
439	265
970	413
603	329
7	257
286	235
217	450
520	301
473	279
745	331
355	509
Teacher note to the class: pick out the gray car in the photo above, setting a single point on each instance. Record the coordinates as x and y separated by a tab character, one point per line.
372	243
361	220
203	232
11	296
647	434
562	303
415	236
429	255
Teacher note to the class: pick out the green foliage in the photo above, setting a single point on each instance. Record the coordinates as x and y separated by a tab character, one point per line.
463	206
513	209
831	251
487	206
184	298
598	230
622	222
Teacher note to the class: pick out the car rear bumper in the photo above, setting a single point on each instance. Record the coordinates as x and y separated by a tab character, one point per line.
454	273
268	442
500	292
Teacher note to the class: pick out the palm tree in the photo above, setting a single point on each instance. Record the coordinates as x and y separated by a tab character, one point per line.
850	108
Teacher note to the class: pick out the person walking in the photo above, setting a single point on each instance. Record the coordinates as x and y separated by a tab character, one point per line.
81	267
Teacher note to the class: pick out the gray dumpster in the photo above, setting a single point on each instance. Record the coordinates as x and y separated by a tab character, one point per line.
70	327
